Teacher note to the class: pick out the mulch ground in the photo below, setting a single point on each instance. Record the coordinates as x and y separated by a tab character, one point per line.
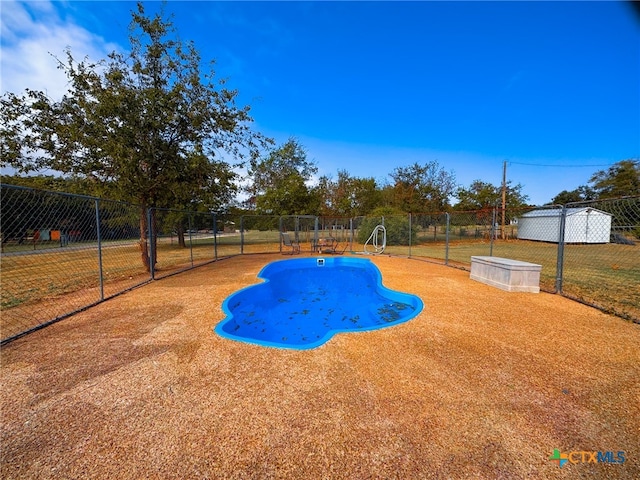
482	384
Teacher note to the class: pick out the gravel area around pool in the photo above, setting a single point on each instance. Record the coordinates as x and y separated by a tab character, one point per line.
482	384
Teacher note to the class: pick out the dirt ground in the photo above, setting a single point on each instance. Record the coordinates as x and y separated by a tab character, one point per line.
482	384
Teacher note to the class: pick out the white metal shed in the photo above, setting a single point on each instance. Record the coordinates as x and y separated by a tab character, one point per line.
582	225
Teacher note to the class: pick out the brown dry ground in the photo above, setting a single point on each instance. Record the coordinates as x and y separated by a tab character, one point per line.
482	384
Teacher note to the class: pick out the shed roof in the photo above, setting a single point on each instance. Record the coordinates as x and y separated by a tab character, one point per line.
556	212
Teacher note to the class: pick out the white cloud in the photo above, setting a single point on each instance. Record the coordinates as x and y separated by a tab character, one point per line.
32	34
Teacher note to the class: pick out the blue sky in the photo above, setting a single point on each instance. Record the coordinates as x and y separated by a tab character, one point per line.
553	88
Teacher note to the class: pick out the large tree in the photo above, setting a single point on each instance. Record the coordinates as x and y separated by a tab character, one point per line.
619	180
150	123
279	181
422	188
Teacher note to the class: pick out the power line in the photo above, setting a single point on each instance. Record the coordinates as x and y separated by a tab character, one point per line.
563	166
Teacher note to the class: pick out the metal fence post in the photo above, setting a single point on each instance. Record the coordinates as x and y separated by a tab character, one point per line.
98	234
152	253
316	226
351	234
493	231
215	236
241	235
560	259
446	242
190	238
410	234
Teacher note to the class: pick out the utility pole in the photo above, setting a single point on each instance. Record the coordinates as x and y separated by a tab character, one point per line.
504	196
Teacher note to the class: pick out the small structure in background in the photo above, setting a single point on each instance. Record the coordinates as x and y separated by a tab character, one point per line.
582	225
229	227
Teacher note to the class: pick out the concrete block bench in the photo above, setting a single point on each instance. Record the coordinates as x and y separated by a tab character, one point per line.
506	274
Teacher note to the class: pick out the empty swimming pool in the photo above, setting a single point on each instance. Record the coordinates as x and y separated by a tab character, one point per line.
303	302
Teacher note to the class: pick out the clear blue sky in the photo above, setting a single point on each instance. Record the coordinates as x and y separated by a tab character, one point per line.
553	88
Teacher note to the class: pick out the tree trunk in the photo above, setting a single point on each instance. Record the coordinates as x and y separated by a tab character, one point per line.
144	246
180	232
153	254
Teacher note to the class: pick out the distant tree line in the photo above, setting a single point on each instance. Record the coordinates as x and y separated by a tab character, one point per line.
280	184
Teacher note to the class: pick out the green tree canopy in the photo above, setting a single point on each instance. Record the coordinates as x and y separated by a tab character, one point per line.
422	188
279	181
347	196
79	186
150	124
483	195
583	193
620	180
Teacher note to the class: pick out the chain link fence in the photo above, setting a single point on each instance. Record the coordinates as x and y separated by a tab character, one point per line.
181	240
531	235
588	251
62	253
605	274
